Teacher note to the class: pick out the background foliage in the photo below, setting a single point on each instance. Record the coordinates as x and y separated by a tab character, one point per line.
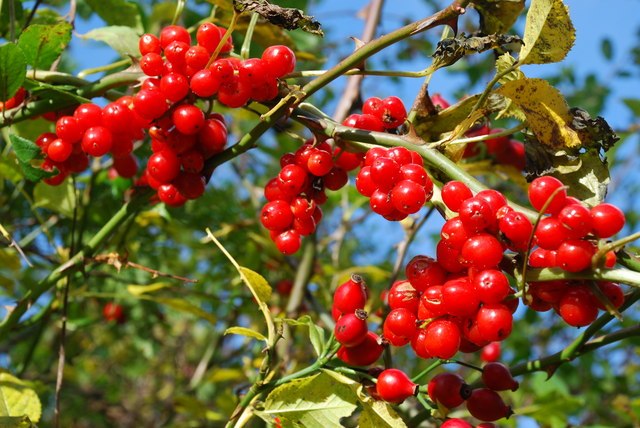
170	363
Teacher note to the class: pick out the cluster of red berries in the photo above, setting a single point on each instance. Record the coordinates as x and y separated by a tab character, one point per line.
294	196
183	137
568	239
449	390
93	131
505	150
395	181
359	346
379	115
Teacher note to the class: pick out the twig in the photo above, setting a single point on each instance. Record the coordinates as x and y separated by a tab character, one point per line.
14	244
119	261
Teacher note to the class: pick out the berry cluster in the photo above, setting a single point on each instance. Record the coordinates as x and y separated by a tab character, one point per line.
568	239
379	115
359	346
395	181
295	195
449	390
183	137
461	301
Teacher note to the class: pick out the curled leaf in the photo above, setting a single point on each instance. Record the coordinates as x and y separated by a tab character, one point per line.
452	49
288	18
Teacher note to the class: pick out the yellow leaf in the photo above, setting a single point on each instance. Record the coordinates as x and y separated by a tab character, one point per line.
18	399
549	34
257	283
182	306
243	331
546	111
137	290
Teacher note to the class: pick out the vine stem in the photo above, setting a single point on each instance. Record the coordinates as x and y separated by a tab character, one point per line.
625	276
612	246
127	211
444	16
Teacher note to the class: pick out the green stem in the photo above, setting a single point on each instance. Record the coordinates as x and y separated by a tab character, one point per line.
582	344
622	275
428	370
612	246
303	274
441	17
246	44
114	65
75	263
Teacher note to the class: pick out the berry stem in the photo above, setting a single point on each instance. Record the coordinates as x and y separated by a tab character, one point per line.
248	36
429	369
622	275
610	246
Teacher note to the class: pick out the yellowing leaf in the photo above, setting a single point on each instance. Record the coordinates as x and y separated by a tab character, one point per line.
257	282
16	422
317	401
138	290
379	414
18	399
546	111
243	331
498	15
222	374
549	34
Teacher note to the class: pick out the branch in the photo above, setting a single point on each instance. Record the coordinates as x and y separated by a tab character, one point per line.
118	261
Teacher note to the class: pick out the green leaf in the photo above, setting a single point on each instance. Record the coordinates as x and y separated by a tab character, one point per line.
60	199
257	283
5	18
497	16
117	12
317	401
18	399
13	67
43	44
25	150
122	39
243	331
549	34
316	333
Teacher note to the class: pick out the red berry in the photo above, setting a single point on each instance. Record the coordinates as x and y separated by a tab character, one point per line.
394	386
575	255
487	405
442	338
494	322
113	312
613	292
97	141
277	215
448	389
408	197
576	218
350	296
491	285
550	233
424	272
288	242
541	190
456	423
476	214
482	251
149	43
393	112
172	33
578	307
351	329
365	353
460	298
188	119
401	323
454	193
59	150
496	376
491	352
607	220
164	166
68	128
403	295
280	60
